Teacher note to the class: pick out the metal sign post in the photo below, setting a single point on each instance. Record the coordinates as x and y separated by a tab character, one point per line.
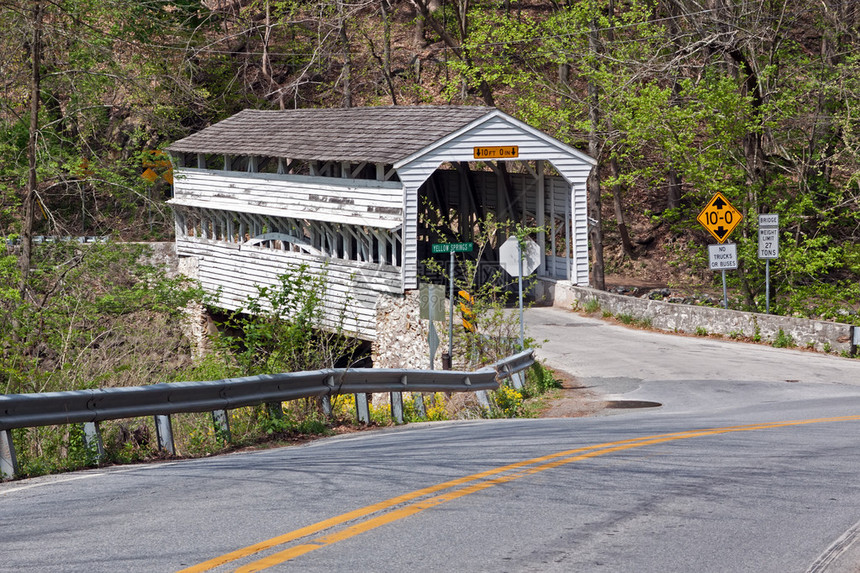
514	260
431	299
451	248
768	248
723	258
451	309
520	273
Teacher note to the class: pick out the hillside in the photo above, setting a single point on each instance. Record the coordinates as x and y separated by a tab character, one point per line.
677	100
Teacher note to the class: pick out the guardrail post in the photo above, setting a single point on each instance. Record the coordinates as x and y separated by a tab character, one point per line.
221	421
483	399
325	401
854	332
8	461
164	433
518	379
362	408
93	440
396	407
418	400
275	409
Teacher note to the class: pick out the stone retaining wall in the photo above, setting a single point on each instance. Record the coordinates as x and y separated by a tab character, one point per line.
401	339
818	334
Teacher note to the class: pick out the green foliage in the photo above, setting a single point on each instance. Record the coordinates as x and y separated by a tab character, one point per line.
291	327
783	340
95	315
625	318
497	332
507	402
540	380
435	407
592	305
701	331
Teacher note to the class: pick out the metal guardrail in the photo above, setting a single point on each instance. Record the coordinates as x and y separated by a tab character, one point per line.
160	400
38	239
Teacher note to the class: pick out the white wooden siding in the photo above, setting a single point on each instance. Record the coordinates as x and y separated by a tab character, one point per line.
349	201
234	273
579	222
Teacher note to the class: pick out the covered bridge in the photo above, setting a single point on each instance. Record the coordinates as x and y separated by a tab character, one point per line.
359	194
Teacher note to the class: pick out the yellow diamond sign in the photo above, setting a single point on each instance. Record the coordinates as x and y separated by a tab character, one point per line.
719	217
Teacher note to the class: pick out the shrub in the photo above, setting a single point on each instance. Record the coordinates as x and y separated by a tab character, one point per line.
625	318
783	340
509	402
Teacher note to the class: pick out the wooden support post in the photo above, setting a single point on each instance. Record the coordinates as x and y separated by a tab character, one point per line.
221	421
354	173
179	224
362	408
164	434
93	441
552	230
201	161
396	407
568	221
8	461
540	215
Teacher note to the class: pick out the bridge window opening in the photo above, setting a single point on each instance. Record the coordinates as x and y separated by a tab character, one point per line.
334	240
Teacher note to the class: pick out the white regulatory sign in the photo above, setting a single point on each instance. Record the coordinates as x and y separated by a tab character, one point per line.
509	252
723	257
768	243
768	236
768	220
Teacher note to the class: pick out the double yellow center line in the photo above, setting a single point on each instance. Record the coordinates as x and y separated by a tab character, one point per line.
375	515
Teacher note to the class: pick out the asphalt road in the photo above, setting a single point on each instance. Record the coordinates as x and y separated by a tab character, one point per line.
749	465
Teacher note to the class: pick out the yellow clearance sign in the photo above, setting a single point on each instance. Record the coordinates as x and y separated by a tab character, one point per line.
719	217
496	152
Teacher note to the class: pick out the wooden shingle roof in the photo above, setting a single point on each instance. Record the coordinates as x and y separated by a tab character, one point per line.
373	134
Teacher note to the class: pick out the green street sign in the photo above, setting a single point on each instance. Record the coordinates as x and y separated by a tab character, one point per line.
452	248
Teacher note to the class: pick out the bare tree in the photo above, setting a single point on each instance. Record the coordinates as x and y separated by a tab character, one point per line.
25	261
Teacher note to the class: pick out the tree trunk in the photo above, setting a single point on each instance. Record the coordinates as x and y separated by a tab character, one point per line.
347	58
25	260
421	17
426	8
385	6
618	205
594	200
